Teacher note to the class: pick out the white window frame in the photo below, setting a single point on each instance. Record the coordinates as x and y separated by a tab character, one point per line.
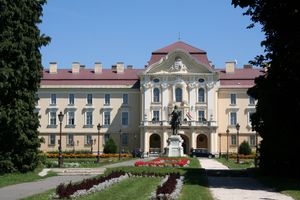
50	118
89	99
86	141
70	102
249	118
154	115
233	99
70	139
50	139
125	98
124	139
232	112
252	138
156	99
87	120
251	101
204	96
176	94
68	117
104	118
53	99
231	140
107	99
198	115
122	122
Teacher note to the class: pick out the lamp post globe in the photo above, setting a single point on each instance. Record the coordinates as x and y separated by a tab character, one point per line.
60	118
238	142
227	153
98	153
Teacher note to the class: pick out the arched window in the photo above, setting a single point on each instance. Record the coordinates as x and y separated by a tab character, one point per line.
178	95
201	95
156	95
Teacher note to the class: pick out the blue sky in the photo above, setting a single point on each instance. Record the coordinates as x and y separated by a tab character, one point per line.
128	31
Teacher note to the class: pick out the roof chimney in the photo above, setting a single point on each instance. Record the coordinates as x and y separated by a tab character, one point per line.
120	67
75	67
98	68
230	66
248	66
53	68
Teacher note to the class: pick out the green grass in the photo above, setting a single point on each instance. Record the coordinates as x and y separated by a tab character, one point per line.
288	186
41	196
231	163
15	178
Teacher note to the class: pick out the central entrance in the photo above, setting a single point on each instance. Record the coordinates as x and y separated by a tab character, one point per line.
155	144
202	141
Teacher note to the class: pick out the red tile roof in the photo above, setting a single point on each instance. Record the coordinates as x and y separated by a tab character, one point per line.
241	78
88	77
196	53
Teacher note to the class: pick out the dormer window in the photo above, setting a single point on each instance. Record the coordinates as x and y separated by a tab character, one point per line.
201	80
156	80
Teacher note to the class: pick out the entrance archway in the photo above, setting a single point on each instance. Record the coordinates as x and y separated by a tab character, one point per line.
155	143
185	144
202	141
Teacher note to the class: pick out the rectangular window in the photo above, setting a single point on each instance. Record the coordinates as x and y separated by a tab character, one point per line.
52	120
106	118
125	117
233	119
52	139
125	99
155	116
70	139
89	99
251	101
71	99
252	140
233	99
249	118
89	118
233	139
88	139
124	138
107	99
53	99
36	98
71	118
201	116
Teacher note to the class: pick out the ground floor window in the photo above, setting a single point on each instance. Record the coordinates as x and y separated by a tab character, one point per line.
233	140
70	139
124	138
252	140
52	139
88	140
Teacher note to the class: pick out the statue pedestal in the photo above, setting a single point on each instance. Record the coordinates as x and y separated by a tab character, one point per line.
174	148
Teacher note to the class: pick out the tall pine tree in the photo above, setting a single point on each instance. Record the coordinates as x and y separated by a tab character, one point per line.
276	118
20	75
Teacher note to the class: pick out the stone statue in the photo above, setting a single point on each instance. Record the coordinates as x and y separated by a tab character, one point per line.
175	120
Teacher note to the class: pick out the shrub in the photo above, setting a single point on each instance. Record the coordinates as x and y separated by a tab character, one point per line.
110	147
42	158
244	148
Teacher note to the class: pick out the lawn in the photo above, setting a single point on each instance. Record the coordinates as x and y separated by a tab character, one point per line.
195	184
14	178
231	163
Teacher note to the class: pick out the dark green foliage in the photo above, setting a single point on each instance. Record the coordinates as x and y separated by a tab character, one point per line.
244	148
20	74
110	147
278	104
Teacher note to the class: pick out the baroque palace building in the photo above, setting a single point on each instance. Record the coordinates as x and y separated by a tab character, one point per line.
133	106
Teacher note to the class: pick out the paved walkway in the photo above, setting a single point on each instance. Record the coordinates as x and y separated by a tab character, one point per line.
23	190
237	188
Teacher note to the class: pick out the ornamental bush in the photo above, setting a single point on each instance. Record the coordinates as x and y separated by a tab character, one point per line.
244	148
110	147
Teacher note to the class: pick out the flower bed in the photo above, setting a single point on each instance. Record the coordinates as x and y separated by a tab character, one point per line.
164	162
170	188
55	155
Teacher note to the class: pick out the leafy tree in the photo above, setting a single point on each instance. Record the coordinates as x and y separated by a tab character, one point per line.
110	147
20	75
277	89
244	148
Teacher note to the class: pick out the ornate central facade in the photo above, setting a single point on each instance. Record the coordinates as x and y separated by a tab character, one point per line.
134	105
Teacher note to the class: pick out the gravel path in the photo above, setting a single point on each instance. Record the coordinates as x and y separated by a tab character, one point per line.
237	188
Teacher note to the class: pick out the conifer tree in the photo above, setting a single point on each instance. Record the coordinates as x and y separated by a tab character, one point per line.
20	75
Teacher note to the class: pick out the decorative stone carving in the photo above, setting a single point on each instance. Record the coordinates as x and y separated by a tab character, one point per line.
210	84
164	85
192	85
178	66
147	85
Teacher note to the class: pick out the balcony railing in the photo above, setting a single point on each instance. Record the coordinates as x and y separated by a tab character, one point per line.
183	123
